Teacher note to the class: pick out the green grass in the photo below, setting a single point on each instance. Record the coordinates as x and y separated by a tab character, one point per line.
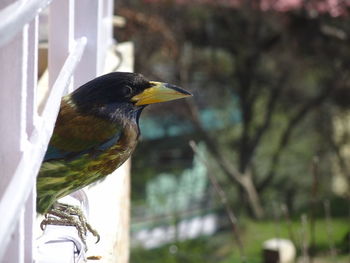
221	248
255	233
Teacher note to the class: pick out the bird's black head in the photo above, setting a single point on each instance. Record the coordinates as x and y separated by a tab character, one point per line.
110	88
123	90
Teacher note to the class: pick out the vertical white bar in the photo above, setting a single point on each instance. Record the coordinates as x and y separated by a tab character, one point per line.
12	99
61	35
29	217
32	74
15	249
87	24
31	113
108	10
13	113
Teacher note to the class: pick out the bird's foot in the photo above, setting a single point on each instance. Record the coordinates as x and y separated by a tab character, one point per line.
68	215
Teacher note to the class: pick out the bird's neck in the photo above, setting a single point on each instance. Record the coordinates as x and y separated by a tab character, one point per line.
118	112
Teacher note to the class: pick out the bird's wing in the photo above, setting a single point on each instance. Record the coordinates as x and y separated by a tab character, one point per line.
77	134
57	153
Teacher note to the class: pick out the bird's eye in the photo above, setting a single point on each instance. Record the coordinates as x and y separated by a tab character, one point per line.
127	91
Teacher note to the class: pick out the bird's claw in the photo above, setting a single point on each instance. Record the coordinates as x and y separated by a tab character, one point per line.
67	215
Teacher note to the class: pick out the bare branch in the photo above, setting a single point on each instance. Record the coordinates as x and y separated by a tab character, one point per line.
271	105
292	124
224	163
223	199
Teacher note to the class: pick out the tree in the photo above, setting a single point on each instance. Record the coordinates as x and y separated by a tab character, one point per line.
267	61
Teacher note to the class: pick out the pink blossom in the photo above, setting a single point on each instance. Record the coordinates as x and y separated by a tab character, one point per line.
333	7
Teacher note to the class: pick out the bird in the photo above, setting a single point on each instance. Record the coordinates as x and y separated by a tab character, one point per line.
96	131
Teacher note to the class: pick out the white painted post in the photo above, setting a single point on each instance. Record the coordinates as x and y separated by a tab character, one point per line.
13	119
29	217
32	76
31	121
12	73
61	36
87	24
107	26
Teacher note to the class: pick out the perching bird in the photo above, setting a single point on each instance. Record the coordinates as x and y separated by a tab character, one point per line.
96	131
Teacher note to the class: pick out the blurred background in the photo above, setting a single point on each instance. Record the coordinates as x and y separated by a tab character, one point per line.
262	149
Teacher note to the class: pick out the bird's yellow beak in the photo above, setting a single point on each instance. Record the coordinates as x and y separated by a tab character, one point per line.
159	92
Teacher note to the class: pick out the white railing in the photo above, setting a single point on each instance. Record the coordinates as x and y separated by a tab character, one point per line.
16	15
79	31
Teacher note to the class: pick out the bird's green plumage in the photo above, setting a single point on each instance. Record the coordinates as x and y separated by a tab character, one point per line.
80	136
